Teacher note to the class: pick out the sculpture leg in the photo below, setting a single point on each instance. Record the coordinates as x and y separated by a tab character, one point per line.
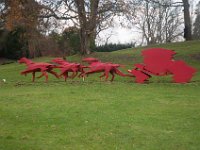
23	73
87	73
66	76
33	77
103	75
106	74
82	72
113	76
74	74
43	74
107	70
64	73
40	76
46	76
54	73
80	75
26	71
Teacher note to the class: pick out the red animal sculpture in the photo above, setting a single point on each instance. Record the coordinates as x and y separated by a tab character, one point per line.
160	62
96	66
156	62
66	67
33	67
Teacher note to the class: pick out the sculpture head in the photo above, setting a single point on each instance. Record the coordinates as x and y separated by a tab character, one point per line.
24	60
90	60
59	61
129	71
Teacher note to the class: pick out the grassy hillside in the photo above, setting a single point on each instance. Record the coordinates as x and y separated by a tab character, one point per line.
101	115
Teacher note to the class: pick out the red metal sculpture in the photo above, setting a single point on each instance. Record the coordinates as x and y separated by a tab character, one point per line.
33	67
160	62
96	66
66	67
157	62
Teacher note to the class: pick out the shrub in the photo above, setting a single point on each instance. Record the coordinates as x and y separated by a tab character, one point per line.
113	47
13	44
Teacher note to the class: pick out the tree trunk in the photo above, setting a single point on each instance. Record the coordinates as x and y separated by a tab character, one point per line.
84	41
148	24
87	24
187	21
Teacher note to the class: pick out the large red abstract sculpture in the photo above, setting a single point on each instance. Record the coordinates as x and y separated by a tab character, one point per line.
33	67
160	62
66	67
96	66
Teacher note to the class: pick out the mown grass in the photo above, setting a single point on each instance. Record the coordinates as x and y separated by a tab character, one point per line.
101	115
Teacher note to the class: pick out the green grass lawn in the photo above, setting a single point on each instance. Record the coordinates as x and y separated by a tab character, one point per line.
94	115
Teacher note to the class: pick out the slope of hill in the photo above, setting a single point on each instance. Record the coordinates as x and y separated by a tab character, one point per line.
101	115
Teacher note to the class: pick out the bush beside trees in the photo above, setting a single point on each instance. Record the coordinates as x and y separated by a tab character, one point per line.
113	47
13	44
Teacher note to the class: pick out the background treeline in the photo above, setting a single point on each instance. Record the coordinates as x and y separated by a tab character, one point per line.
15	45
35	28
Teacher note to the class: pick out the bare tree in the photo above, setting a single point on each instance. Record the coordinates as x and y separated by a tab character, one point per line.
187	19
90	16
158	23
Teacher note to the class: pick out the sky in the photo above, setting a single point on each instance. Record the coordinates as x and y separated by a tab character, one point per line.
118	35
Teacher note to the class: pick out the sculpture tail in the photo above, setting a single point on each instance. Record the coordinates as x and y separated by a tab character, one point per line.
120	73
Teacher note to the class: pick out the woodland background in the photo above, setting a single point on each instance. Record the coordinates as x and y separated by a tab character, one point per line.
35	28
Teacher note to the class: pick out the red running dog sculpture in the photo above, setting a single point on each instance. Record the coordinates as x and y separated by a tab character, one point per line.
96	66
33	67
160	62
66	67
